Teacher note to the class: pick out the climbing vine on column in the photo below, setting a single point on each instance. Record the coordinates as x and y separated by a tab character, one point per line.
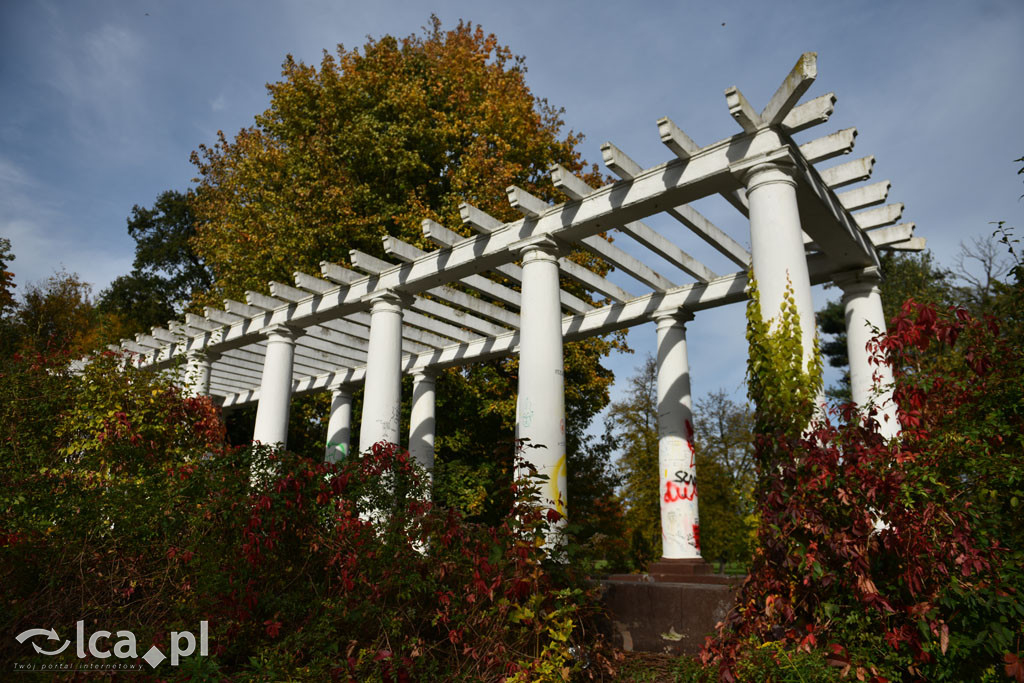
779	385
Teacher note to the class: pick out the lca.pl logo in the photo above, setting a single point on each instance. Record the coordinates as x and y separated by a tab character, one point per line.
183	644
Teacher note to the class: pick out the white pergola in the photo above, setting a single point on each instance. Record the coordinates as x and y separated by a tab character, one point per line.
423	311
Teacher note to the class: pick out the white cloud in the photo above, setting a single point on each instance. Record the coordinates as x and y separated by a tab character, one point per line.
220	103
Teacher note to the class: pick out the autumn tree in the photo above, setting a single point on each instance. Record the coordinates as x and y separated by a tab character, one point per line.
55	317
369	144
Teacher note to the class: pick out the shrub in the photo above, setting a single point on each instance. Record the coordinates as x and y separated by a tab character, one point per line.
123	508
902	559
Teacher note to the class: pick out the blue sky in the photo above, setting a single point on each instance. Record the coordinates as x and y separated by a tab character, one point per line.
104	100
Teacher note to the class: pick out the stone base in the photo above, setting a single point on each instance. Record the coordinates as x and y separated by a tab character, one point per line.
660	616
686	571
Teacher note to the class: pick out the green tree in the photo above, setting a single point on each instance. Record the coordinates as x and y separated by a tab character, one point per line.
6	277
634	422
166	275
724	440
8	304
369	144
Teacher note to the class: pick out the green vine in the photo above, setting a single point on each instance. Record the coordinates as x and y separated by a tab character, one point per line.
784	393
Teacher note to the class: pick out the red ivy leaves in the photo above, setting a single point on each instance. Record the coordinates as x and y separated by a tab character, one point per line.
849	520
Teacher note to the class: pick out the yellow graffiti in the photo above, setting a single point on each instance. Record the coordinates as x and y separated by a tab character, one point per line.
557	472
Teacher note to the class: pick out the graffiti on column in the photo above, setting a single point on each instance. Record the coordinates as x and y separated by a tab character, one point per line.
689	444
525	410
682	487
554	486
389	423
679	495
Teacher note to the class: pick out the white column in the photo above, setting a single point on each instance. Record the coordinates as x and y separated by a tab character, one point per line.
540	406
275	387
339	424
382	397
197	370
869	383
421	421
677	464
777	247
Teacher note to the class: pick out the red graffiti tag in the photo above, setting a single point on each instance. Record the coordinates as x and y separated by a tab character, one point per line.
696	536
674	492
689	443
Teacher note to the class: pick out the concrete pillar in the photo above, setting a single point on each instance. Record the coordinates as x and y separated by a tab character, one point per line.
540	406
339	424
382	396
197	373
777	246
275	387
869	383
677	464
421	421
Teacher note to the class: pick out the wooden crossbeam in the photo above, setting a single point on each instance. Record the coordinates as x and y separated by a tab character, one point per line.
444	237
810	114
879	216
592	280
287	292
252	361
478	220
408	253
219	316
793	87
575	188
863	197
267	303
147	341
329	351
619	163
675	139
913	244
338	274
825	220
443	314
413	340
312	284
629	265
243	310
893	234
625	167
571	185
664	248
740	109
525	203
339	338
684	147
849	172
193	320
828	147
